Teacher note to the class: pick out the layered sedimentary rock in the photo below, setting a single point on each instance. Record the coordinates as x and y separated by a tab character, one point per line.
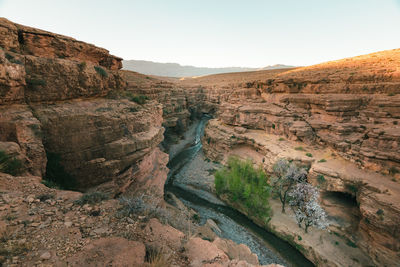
63	108
346	112
176	112
31	41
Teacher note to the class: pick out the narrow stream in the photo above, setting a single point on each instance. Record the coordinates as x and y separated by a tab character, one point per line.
234	225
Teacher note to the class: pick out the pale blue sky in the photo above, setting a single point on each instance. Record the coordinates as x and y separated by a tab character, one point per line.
218	33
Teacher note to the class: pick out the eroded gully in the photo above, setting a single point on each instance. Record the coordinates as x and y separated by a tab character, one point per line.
233	224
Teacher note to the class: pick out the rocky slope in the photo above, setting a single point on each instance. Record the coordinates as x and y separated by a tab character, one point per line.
40	226
71	117
345	112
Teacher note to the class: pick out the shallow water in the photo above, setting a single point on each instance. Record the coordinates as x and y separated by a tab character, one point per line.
233	224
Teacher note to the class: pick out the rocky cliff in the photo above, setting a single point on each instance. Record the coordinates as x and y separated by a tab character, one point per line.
341	119
74	120
63	109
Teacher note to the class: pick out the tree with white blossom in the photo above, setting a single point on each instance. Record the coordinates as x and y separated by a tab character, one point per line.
304	203
285	176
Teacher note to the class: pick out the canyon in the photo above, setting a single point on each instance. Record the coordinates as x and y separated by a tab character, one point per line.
72	116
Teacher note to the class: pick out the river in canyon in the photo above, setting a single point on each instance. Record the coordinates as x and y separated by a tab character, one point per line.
234	225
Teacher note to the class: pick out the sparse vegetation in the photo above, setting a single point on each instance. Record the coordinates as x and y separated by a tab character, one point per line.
354	188
140	99
156	257
309	155
281	139
9	164
12	59
245	185
299	148
381	214
143	204
92	198
101	71
82	65
322	160
351	243
321	179
9	217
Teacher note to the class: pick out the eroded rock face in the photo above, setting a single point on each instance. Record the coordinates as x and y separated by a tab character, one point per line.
362	128
61	79
30	41
176	112
373	206
347	108
101	139
55	104
21	136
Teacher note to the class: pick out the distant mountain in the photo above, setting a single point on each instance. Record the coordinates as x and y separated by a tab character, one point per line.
176	70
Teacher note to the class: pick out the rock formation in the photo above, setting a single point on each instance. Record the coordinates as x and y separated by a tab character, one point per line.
56	107
339	118
72	117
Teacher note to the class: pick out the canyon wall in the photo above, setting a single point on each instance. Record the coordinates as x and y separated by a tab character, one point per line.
341	119
69	114
64	114
73	118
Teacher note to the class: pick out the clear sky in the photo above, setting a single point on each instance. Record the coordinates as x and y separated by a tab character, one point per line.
220	33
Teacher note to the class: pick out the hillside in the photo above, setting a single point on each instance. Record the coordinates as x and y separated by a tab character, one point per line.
176	70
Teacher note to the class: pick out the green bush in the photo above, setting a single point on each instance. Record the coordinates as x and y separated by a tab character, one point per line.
140	99
351	244
353	188
9	164
245	185
309	155
299	148
321	179
83	65
322	160
12	59
101	71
